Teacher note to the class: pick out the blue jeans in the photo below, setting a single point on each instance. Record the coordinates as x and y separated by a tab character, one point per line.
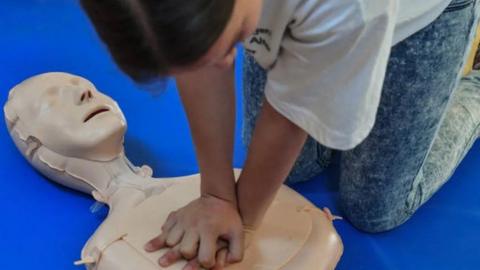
426	123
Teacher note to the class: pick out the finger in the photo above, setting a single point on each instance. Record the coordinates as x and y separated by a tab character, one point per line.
236	244
207	250
156	243
192	265
222	253
221	259
175	236
171	221
172	256
189	245
159	242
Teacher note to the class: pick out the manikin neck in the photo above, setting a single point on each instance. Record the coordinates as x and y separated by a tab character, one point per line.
102	179
123	174
128	185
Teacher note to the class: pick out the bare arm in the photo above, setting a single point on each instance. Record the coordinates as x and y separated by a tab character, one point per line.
194	230
209	100
275	146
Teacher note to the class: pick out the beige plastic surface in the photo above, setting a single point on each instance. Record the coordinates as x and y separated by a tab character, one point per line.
277	241
54	130
68	115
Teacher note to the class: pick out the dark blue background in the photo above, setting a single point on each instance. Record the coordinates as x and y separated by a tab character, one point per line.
44	226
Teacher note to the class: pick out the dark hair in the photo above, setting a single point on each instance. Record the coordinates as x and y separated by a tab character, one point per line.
148	37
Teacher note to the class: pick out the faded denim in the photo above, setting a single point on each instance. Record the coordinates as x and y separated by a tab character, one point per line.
423	129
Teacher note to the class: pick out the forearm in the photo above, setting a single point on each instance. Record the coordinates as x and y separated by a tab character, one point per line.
275	146
209	100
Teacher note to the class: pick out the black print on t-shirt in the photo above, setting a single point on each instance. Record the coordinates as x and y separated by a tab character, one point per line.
260	37
260	31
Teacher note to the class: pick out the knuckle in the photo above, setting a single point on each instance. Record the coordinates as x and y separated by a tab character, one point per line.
162	239
172	215
206	263
170	242
187	253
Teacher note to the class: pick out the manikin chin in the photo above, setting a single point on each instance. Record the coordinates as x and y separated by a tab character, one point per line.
73	134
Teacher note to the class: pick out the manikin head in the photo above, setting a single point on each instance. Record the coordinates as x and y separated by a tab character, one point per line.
67	115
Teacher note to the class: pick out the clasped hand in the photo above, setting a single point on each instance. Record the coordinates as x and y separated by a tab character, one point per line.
208	232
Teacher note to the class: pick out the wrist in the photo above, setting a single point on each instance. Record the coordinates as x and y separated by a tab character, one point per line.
220	186
252	205
223	199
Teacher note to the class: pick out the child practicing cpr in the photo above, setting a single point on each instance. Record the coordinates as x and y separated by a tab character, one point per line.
370	80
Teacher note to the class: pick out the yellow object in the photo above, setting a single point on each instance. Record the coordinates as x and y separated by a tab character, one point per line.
471	59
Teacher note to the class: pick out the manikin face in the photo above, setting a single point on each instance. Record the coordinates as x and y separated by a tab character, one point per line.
68	115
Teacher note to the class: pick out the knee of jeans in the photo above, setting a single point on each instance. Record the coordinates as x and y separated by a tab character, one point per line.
372	213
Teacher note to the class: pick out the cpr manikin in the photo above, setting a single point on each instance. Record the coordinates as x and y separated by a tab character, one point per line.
73	134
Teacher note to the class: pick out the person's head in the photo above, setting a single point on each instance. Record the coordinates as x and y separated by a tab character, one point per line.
68	115
150	38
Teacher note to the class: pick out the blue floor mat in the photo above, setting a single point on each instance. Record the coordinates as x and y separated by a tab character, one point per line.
44	226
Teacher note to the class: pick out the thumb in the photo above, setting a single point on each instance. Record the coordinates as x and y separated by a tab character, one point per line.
221	259
236	247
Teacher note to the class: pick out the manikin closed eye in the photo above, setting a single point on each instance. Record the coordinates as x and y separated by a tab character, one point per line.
92	127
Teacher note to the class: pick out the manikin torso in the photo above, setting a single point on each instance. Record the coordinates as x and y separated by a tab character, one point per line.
294	234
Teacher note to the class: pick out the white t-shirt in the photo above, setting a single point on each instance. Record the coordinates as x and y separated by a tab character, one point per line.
326	60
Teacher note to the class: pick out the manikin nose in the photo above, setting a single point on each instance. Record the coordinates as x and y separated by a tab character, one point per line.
86	96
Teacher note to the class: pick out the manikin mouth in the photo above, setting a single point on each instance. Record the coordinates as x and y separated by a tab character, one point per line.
95	113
